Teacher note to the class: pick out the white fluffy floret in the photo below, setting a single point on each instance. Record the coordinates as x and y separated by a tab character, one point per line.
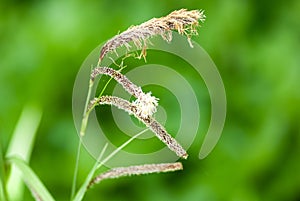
146	105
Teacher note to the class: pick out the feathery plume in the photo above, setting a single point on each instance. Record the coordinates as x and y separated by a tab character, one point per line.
149	121
183	21
136	170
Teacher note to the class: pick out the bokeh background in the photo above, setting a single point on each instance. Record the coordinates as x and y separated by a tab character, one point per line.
255	45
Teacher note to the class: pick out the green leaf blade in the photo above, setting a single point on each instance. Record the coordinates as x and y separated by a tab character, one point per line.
31	179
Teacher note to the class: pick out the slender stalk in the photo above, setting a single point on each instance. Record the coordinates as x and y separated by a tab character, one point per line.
82	133
75	171
85	114
81	192
120	147
84	122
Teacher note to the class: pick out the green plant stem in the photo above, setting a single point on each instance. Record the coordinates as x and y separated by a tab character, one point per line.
120	147
84	122
75	171
82	133
86	112
80	194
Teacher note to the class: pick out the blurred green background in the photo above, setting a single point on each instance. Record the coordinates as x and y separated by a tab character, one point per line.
255	45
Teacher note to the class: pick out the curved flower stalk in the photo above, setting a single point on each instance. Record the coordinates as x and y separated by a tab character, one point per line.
149	121
145	103
136	170
183	21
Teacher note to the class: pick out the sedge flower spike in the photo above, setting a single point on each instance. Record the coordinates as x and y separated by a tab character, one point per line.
183	21
136	170
160	132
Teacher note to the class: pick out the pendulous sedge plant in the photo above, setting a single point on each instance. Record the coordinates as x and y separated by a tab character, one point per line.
145	105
